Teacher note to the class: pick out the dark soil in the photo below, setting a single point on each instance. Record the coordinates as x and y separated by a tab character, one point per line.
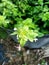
19	58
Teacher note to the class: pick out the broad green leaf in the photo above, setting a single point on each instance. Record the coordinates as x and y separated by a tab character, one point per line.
40	2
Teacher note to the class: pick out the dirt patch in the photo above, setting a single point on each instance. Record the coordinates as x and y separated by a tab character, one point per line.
29	57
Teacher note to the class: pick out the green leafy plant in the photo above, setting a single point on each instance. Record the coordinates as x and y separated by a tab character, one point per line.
26	30
3	21
29	17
